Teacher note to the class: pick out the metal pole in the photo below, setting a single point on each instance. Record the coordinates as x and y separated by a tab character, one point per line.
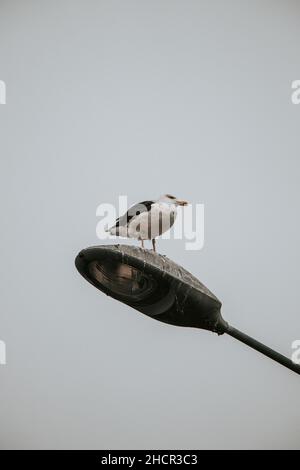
262	348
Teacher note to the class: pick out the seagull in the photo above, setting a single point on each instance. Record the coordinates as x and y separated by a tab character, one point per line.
148	219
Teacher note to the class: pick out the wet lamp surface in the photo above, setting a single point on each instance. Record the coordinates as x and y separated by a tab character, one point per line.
156	286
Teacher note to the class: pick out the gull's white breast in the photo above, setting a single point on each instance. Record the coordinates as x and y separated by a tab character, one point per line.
153	223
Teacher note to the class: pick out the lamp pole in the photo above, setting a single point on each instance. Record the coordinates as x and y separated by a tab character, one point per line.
262	348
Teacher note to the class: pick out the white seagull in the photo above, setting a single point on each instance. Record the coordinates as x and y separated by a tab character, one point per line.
148	219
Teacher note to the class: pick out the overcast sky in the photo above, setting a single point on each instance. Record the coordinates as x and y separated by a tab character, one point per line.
140	98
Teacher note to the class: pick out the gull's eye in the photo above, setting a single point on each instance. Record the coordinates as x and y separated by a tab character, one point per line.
170	197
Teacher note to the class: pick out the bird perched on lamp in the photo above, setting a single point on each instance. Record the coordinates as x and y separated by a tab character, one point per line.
148	220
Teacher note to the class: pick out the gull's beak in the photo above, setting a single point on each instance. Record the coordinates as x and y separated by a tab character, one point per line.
180	202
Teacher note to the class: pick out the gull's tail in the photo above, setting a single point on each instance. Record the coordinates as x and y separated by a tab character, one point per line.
114	230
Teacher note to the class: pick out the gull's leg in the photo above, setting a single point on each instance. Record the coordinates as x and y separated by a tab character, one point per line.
153	244
142	242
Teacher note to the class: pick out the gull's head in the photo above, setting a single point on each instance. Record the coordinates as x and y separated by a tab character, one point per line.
169	199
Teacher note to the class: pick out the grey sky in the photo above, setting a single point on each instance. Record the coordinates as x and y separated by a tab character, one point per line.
142	98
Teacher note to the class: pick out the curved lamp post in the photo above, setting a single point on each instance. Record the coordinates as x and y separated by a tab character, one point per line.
156	286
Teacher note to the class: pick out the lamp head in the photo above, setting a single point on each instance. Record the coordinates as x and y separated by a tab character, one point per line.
152	284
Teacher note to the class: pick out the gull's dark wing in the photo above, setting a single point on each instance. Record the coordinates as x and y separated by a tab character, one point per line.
135	210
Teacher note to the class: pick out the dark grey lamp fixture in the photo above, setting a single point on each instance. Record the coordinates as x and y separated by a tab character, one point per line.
156	286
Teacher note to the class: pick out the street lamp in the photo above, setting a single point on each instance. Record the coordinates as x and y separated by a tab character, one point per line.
156	286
